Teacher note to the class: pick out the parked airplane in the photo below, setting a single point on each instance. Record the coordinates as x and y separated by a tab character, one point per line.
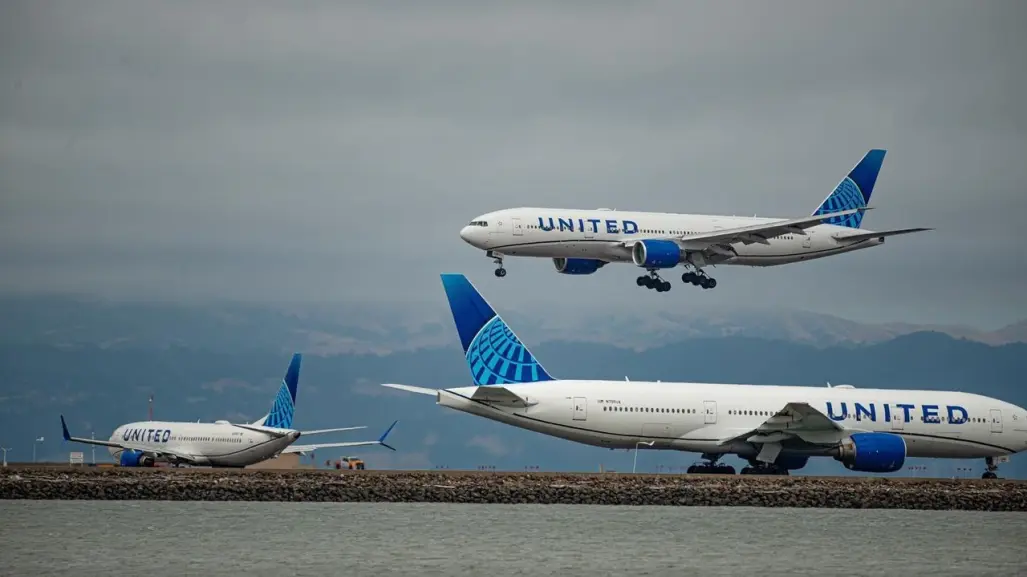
776	428
221	443
583	241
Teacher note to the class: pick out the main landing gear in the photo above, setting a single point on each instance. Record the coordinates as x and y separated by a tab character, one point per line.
992	466
498	259
711	466
699	278
653	281
758	468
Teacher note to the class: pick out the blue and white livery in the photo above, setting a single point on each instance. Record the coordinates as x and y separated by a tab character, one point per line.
580	242
775	428
221	443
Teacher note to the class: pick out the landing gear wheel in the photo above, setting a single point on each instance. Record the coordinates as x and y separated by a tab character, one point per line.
500	272
711	467
653	281
991	467
711	283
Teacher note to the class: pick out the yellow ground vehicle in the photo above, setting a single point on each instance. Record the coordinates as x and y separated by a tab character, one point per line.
351	463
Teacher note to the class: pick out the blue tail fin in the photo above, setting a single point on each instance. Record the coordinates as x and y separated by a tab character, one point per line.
285	402
494	353
854	191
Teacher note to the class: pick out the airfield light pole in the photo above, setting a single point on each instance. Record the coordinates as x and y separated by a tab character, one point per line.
5	449
92	436
36	442
650	443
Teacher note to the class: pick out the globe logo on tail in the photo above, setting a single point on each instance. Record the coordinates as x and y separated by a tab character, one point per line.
497	357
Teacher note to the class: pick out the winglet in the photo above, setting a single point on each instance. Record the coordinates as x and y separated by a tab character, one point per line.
381	440
64	431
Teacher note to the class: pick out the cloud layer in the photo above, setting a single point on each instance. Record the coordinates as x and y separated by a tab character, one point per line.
331	151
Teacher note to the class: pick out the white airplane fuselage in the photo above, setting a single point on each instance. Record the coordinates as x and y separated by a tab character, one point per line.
695	417
218	444
599	234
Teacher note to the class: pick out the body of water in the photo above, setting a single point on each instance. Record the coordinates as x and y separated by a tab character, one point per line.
157	539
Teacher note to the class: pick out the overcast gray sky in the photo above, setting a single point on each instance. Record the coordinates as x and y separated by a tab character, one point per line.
312	151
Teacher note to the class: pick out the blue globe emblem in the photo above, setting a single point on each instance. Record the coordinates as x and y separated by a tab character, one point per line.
496	356
845	197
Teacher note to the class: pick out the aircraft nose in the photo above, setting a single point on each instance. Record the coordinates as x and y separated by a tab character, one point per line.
467	233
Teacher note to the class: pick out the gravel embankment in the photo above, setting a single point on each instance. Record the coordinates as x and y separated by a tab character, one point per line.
509	488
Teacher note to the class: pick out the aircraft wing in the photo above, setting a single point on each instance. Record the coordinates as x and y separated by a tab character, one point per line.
162	454
720	241
757	233
882	234
794	420
304	449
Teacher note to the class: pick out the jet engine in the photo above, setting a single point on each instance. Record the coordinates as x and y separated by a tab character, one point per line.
791	462
655	253
133	458
577	265
872	452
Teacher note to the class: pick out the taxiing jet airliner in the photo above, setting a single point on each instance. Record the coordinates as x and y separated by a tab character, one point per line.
776	428
582	241
221	443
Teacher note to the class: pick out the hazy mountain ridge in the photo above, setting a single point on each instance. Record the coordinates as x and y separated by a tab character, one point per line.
99	388
382	329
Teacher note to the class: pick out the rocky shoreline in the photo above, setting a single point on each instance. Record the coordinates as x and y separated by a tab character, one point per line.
88	483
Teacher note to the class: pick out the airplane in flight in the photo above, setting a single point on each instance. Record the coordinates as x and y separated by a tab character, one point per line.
580	242
775	428
221	443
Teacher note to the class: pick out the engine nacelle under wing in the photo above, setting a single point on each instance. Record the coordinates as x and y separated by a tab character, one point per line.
133	458
873	452
791	462
656	253
577	265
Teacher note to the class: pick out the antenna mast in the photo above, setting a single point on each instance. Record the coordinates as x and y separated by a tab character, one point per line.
151	407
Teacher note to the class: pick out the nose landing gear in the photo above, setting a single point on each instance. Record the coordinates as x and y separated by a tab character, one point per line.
498	259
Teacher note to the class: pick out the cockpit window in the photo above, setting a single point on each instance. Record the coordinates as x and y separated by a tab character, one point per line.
479	223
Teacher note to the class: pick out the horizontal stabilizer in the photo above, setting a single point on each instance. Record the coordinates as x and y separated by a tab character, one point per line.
412	389
304	449
499	396
881	234
321	431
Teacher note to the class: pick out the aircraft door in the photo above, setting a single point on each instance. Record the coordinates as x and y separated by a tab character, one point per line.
580	409
518	228
898	420
996	421
710	412
807	239
659	433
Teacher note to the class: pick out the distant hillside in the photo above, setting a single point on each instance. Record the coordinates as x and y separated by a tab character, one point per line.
345	329
97	388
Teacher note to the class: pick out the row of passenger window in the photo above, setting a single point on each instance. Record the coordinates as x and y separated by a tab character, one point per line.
619	409
207	439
